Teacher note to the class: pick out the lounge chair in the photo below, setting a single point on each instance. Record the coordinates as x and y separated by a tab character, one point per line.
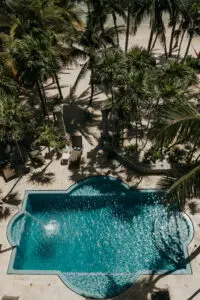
76	149
9	298
77	141
8	172
75	156
65	158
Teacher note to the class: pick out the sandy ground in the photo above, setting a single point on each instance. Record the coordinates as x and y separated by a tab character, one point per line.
56	176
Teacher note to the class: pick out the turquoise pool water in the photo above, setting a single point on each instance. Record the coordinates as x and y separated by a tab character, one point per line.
98	236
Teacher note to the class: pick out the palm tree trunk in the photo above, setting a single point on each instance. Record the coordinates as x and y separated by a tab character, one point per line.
179	50
150	39
92	93
127	29
45	100
165	47
136	135
172	39
155	40
19	151
58	86
115	25
188	46
102	26
41	98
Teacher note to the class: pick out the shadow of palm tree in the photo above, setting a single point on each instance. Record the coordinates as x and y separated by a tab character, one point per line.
4	212
194	295
7	249
12	199
194	207
76	118
42	178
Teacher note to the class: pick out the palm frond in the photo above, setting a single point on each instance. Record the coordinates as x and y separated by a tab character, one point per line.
187	186
177	122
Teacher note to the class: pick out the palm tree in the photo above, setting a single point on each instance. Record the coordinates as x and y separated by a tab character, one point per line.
174	19
179	122
184	23
109	73
90	43
116	8
29	61
14	120
8	85
49	136
194	24
156	9
140	59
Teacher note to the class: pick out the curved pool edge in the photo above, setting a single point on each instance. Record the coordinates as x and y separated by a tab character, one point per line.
64	276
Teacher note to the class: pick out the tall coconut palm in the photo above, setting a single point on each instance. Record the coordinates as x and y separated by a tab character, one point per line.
28	59
174	20
194	24
109	74
115	8
156	10
89	44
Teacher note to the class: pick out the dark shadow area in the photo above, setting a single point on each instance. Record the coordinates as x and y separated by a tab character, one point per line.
193	255
41	177
14	185
77	119
166	182
12	199
4	212
7	249
144	288
161	295
194	207
194	295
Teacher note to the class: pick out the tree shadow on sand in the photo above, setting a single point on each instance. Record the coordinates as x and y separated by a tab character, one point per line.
78	119
97	163
12	199
42	177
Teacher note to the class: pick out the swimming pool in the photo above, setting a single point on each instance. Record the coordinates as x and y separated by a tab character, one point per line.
98	236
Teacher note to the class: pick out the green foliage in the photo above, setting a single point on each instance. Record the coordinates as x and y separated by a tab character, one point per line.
49	136
193	63
140	59
131	149
178	122
176	154
153	154
14	119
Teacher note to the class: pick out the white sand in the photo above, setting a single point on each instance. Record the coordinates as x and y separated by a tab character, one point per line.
31	287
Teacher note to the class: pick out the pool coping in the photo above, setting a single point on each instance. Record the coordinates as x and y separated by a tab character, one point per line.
11	270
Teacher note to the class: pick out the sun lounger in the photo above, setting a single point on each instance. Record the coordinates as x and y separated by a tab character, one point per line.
65	158
8	173
76	149
75	156
77	142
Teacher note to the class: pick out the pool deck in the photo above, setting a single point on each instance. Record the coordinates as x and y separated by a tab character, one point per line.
30	287
57	177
